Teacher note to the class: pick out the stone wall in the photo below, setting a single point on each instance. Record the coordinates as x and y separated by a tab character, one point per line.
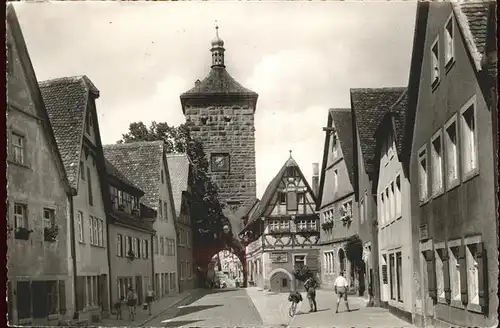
228	129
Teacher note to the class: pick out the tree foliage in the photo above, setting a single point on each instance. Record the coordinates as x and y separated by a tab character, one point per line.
302	273
205	207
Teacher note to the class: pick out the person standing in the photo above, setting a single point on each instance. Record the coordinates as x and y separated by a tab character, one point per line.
131	301
340	287
149	298
310	286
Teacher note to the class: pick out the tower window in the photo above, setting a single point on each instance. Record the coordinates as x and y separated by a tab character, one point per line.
220	162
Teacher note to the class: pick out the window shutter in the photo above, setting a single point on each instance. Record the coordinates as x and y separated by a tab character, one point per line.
482	274
431	273
446	274
62	297
291	201
463	273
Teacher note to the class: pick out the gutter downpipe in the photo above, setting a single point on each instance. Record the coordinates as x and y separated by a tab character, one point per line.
110	283
73	253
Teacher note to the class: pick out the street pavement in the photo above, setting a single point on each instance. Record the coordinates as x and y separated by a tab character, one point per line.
360	315
142	316
211	308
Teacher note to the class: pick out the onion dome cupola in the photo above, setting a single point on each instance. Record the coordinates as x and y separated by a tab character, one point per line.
218	86
217	50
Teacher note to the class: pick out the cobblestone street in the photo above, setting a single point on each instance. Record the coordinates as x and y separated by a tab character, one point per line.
225	307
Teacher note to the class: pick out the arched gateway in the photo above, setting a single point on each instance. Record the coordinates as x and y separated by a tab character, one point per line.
221	116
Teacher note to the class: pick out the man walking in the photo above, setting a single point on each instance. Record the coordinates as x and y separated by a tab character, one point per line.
310	286
341	286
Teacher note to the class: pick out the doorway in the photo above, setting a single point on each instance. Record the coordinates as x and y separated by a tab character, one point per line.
103	295
138	288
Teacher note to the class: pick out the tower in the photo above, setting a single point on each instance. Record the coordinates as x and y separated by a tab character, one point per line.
220	113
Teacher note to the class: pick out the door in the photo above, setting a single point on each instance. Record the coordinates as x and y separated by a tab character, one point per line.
138	287
103	294
40	305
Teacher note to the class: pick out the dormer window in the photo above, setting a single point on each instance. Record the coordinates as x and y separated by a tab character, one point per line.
334	145
449	45
435	63
282	198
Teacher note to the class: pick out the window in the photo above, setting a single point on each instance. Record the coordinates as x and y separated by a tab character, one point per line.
138	248
79	217
311	225
437	163
82	171
155	244
334	144
382	208
441	257
387	204
422	169
328	261
451	152
362	210
454	265
448	45
91	220
435	62
162	246
391	200
128	244
119	246
398	196
134	246
21	215
335	181
399	275
49	218
18	148
165	210
182	270
473	260
469	142
302	225
299	260
282	198
392	277
145	249
291	201
162	178
160	208
300	198
89	185
100	230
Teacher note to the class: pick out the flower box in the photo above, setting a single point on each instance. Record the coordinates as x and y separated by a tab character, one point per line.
50	233
22	233
327	226
131	255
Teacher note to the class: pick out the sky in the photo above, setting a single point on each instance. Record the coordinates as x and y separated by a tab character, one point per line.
300	57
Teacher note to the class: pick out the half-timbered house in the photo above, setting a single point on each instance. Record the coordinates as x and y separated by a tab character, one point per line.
283	231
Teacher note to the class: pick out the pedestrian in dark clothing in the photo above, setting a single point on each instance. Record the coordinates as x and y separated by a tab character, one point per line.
370	294
310	286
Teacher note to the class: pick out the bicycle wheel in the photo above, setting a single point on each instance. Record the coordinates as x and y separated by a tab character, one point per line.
293	308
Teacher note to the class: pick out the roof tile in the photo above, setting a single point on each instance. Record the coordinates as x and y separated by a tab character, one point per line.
66	102
140	162
342	120
370	105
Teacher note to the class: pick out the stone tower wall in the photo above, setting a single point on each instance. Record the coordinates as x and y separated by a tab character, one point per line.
228	129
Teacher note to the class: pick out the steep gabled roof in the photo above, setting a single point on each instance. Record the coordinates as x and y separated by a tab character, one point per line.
341	118
178	166
140	162
115	173
472	18
369	106
66	101
217	83
35	92
261	205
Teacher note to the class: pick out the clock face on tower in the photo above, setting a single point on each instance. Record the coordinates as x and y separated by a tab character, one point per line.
220	162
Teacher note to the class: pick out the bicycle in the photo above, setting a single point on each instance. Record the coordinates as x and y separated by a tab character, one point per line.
293	309
295	298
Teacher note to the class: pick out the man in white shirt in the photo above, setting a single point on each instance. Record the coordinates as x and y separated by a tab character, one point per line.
341	286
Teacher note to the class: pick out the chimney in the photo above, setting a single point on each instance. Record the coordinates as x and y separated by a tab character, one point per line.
315	178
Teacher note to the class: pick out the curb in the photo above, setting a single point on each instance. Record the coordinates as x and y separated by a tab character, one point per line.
166	309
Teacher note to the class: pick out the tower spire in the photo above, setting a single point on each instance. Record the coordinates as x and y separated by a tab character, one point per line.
217	49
